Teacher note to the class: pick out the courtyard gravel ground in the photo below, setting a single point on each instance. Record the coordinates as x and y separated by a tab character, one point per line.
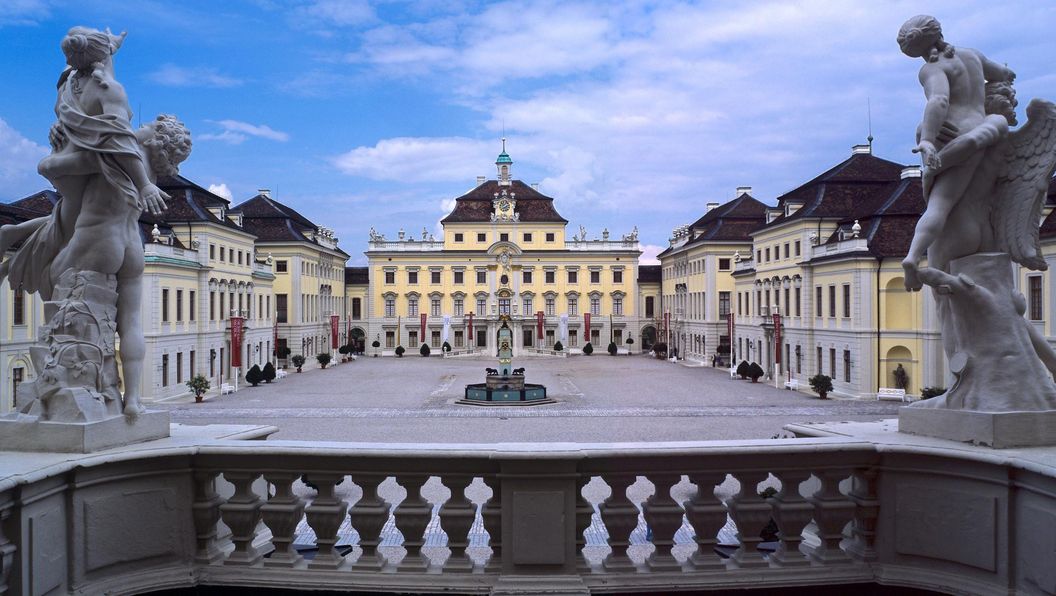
599	399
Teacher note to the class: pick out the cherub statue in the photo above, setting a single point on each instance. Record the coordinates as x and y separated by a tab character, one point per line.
582	233
373	234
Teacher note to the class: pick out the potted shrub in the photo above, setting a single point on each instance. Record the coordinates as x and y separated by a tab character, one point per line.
323	358
283	353
269	372
343	350
930	392
298	361
612	349
254	376
198	385
375	344
630	342
821	384
558	346
660	350
424	350
754	372
588	349
446	347
400	351
742	369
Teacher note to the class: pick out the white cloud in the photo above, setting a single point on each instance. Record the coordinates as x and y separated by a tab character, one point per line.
235	132
418	159
649	252
221	190
18	163
171	75
23	12
334	13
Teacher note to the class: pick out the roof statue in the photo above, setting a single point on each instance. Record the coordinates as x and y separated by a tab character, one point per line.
86	258
985	185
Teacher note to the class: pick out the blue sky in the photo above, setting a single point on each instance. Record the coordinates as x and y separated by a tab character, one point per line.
362	114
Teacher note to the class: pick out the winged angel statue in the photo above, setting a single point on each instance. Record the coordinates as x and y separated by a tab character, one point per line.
985	186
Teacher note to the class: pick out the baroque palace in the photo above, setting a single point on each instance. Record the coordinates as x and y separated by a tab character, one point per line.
824	258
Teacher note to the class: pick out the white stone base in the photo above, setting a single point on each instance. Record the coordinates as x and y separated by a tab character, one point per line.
992	429
27	434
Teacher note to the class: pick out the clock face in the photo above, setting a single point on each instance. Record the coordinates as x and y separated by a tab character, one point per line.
504	205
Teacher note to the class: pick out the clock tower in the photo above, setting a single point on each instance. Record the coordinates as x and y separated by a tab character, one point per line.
504	164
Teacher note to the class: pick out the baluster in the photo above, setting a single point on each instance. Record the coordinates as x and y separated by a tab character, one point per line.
621	518
491	515
7	554
751	514
206	512
665	518
456	518
281	514
369	516
412	518
707	515
867	510
325	515
792	513
832	511
584	517
241	513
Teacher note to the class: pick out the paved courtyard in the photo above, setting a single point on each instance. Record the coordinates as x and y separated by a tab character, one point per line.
600	399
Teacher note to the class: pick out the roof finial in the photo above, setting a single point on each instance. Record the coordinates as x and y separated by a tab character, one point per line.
869	115
504	143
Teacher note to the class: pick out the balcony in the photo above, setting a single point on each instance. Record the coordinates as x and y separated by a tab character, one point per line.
157	252
850	245
860	505
601	245
408	245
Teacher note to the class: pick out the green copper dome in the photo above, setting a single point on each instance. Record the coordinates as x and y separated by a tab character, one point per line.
503	158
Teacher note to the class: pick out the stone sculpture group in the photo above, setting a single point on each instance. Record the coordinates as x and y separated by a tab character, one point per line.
86	258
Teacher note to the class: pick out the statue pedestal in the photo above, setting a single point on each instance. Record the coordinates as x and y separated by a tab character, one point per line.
27	433
993	429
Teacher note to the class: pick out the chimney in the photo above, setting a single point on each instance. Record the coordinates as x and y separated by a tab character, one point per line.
264	192
910	172
863	149
711	206
744	190
535	186
481	179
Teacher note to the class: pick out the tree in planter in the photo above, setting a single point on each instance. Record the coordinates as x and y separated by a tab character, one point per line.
254	376
283	353
660	349
558	346
930	392
269	372
588	349
754	372
400	351
375	344
821	384
446	347
343	350
424	350
323	358
198	386
630	342
742	369
612	349
298	361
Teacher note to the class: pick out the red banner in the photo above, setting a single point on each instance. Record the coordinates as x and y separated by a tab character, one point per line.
421	337
334	322
469	326
586	325
236	341
777	338
539	324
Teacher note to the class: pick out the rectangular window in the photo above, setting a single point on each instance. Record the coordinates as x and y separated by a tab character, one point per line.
786	250
412	338
617	276
281	266
832	362
222	254
767	254
526	277
18	299
504	306
18	375
817	302
239	261
280	308
482	237
595	336
527	238
797	248
528	337
192	305
549	338
482	337
212	306
412	277
458	339
799	361
846	366
846	301
758	255
179	367
1035	294
482	307
549	236
617	307
190	360
649	306
164	306
724	304
390	277
434	277
460	277
595	305
573	277
212	252
573	307
179	306
458	237
412	307
799	300
390	339
164	370
267	307
459	307
482	277
434	307
832	301
504	237
549	307
724	264
819	360
434	338
548	276
595	277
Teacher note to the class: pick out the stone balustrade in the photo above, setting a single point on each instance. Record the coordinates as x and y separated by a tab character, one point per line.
196	511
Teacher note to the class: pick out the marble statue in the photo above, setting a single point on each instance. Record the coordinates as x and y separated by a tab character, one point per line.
985	187
86	258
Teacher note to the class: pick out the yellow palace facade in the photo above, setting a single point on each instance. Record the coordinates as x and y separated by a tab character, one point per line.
505	255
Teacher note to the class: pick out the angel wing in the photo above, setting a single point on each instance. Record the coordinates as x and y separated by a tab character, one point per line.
1022	183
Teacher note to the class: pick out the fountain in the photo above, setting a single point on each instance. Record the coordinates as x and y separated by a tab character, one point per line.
505	385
